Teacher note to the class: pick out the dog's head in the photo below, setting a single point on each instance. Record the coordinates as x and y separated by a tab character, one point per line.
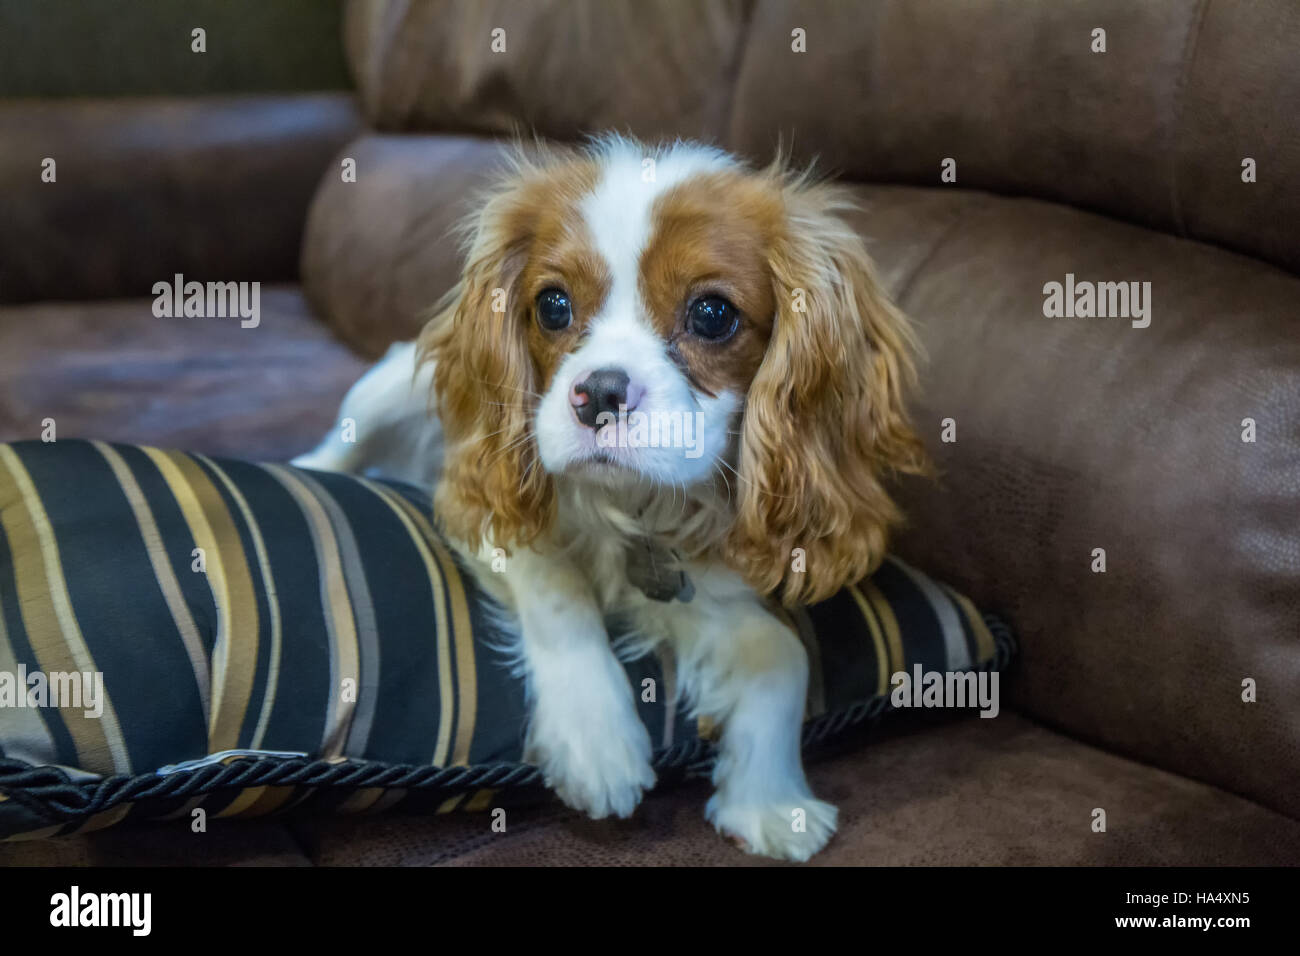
672	317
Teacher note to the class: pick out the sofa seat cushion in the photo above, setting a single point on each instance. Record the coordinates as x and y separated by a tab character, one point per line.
113	370
969	793
267	842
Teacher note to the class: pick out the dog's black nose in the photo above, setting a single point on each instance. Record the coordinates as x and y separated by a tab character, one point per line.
604	390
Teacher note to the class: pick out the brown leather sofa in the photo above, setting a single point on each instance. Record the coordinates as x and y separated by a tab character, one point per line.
1072	434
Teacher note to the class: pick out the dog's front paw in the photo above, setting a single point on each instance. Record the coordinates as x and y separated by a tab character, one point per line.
792	829
600	767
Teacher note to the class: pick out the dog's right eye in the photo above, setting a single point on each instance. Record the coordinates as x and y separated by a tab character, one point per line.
554	311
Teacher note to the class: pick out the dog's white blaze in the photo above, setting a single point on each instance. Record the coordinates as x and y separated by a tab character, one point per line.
618	215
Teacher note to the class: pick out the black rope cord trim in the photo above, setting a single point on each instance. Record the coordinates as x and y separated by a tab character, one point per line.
51	795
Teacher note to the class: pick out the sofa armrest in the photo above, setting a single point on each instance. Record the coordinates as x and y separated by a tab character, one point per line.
1165	442
213	188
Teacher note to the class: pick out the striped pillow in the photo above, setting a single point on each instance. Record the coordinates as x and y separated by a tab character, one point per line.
178	631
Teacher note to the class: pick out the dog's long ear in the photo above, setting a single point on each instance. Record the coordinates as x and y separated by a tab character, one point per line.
493	489
825	422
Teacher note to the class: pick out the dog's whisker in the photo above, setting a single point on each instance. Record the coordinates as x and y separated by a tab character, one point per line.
483	438
511	446
513	388
723	475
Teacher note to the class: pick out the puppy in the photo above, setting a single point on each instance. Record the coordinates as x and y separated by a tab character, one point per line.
669	389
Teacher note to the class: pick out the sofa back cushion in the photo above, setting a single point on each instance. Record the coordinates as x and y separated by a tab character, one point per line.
1154	130
559	68
214	188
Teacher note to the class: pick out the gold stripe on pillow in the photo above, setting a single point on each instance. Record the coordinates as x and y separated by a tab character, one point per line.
956	650
450	804
983	639
366	687
271	800
104	819
272	600
164	572
27	735
234	654
446	689
345	659
462	634
877	637
362	800
889	624
241	804
48	618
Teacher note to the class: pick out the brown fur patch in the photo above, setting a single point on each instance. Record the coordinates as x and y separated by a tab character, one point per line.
492	366
825	422
559	254
712	235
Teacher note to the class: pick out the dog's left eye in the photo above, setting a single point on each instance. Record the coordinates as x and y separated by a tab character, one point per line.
712	317
554	311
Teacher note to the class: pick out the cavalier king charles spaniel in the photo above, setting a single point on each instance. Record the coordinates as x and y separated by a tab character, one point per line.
668	389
